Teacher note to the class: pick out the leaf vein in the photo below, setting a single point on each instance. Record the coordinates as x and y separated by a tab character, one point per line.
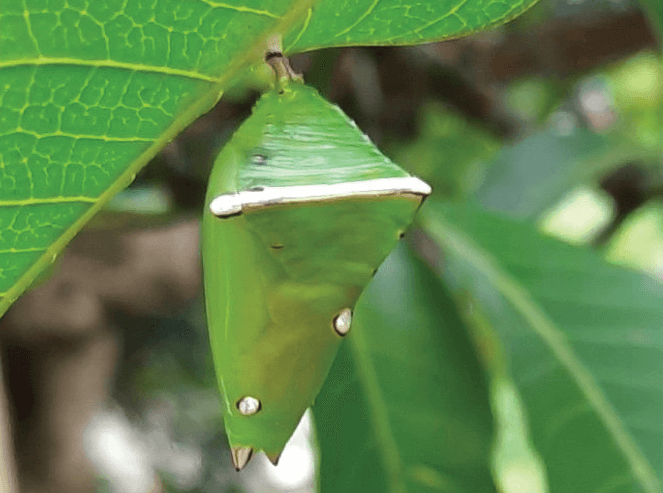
360	19
47	200
379	419
28	24
457	243
238	8
452	12
133	67
303	29
22	250
103	138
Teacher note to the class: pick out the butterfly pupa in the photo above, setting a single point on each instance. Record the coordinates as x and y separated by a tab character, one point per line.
300	212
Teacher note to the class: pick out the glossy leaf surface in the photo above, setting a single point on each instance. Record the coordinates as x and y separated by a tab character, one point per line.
395	22
405	407
563	161
91	90
583	343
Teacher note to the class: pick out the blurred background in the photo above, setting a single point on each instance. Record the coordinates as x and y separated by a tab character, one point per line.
556	118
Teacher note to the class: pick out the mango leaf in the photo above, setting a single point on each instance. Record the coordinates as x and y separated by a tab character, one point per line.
91	90
582	340
449	152
405	407
396	22
530	176
654	9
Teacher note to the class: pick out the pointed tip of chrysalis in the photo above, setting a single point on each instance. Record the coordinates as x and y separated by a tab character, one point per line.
241	456
274	458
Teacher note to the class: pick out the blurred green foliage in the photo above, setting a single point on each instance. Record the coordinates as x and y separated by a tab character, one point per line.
566	340
489	356
449	152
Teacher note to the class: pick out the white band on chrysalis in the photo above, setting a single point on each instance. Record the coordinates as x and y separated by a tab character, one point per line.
233	203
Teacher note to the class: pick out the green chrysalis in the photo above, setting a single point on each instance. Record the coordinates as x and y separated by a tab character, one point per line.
300	212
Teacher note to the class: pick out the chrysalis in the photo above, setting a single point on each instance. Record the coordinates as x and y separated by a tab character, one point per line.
300	212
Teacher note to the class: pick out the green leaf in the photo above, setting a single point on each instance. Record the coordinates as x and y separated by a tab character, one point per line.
638	242
91	90
396	22
448	151
405	407
529	176
655	10
582	340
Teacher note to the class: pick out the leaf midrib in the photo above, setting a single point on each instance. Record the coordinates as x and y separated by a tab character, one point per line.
378	417
457	243
297	9
107	63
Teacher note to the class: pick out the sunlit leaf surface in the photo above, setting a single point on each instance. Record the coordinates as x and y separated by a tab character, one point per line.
91	90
